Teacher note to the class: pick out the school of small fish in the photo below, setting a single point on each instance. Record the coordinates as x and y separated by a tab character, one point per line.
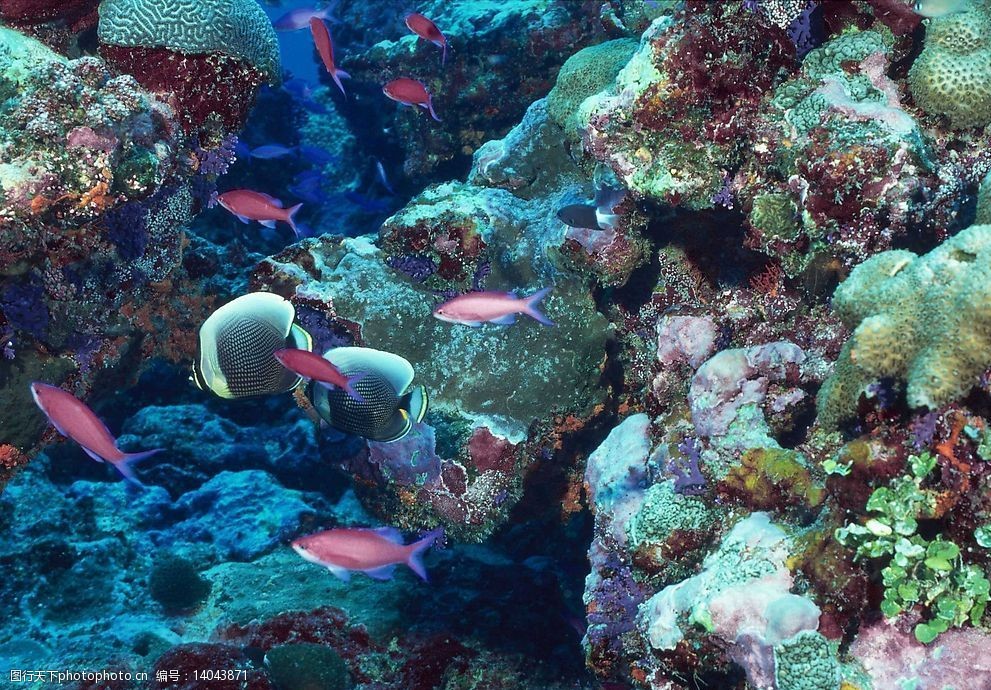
253	346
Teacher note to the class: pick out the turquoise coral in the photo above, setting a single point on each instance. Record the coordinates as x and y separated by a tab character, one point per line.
805	662
925	320
238	28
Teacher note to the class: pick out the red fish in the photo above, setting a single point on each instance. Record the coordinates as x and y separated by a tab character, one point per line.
475	308
312	366
321	38
375	552
73	419
410	92
428	31
248	205
298	18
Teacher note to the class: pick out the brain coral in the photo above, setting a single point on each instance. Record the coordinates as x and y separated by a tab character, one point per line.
238	28
925	319
584	74
952	75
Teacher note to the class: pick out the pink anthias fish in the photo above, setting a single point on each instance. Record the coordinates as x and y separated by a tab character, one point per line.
299	18
410	92
375	552
428	31
325	46
312	366
476	308
248	205
73	419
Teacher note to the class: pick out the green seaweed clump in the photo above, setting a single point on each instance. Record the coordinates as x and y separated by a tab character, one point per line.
306	666
920	571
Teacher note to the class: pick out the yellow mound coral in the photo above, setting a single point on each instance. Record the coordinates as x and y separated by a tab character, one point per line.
926	320
952	75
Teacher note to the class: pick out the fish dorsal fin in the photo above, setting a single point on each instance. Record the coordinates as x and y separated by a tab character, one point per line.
266	306
398	426
390	533
393	368
271	199
417	401
299	338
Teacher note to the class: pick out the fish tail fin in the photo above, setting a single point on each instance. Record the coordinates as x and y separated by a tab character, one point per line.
349	386
337	75
415	558
124	464
443	53
430	107
291	220
530	307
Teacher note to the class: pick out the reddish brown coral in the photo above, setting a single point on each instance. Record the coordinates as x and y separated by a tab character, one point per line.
197	86
42	11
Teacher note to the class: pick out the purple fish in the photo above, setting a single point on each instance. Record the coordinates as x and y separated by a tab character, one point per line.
270	151
308	186
299	18
301	91
73	419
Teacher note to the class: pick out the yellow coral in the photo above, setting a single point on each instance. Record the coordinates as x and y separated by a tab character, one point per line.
924	319
952	75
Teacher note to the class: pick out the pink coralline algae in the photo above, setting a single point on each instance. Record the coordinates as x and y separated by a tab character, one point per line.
731	387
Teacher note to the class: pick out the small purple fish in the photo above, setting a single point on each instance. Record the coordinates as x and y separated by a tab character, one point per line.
270	151
308	186
301	91
316	155
73	419
475	308
299	18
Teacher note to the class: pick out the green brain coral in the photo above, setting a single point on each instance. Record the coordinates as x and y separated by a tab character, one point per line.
238	28
952	75
806	662
664	511
923	319
584	74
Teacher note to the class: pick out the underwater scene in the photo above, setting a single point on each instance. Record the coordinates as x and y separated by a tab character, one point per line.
495	344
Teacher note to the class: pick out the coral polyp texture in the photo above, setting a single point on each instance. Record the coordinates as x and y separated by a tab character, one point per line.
237	28
952	75
921	319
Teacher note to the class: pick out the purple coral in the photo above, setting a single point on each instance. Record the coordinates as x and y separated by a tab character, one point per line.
418	268
217	160
688	477
127	229
23	303
802	31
